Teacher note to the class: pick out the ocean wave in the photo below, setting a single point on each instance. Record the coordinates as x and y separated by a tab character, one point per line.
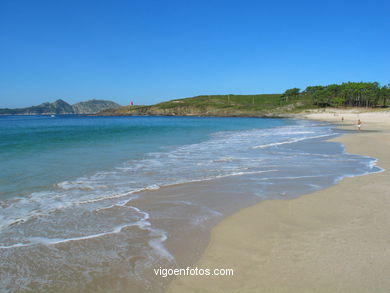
290	141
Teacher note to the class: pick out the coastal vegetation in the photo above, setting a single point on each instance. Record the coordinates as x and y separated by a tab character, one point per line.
219	105
350	94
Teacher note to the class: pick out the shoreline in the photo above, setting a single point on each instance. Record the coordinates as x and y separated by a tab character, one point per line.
332	240
172	210
297	115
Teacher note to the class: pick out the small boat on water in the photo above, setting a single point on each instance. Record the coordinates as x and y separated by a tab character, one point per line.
52	115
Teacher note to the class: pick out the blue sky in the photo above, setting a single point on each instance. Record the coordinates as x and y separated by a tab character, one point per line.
150	51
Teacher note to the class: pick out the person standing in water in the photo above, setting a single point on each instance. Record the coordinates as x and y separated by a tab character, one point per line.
359	124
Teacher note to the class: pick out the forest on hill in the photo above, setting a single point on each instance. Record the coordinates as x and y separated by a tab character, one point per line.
348	94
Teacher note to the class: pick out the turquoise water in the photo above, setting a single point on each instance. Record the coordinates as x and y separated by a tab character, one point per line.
39	151
82	199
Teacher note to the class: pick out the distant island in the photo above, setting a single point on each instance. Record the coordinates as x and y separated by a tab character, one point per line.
62	107
350	94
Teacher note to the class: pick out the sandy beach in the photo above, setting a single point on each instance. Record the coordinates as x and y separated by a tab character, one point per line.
333	240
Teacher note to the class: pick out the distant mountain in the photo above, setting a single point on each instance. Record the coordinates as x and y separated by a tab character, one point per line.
62	107
93	106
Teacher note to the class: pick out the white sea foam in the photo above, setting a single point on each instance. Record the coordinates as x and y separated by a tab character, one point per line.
156	243
52	241
142	223
290	141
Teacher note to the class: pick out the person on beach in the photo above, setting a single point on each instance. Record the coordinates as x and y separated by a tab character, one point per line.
342	118
359	124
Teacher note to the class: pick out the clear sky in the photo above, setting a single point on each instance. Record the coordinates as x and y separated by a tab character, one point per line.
150	51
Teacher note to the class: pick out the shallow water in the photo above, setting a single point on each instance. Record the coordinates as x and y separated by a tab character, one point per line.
78	210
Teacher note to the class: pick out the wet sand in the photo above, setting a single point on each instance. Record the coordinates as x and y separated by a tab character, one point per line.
333	240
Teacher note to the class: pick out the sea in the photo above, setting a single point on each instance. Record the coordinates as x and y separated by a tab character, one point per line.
94	204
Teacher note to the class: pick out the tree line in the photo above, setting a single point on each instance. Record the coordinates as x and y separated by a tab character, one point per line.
348	94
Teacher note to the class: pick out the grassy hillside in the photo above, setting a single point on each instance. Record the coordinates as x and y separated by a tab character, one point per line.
220	105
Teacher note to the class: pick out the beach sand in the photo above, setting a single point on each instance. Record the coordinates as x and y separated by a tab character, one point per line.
333	240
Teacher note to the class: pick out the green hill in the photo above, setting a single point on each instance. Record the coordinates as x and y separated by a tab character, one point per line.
219	105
